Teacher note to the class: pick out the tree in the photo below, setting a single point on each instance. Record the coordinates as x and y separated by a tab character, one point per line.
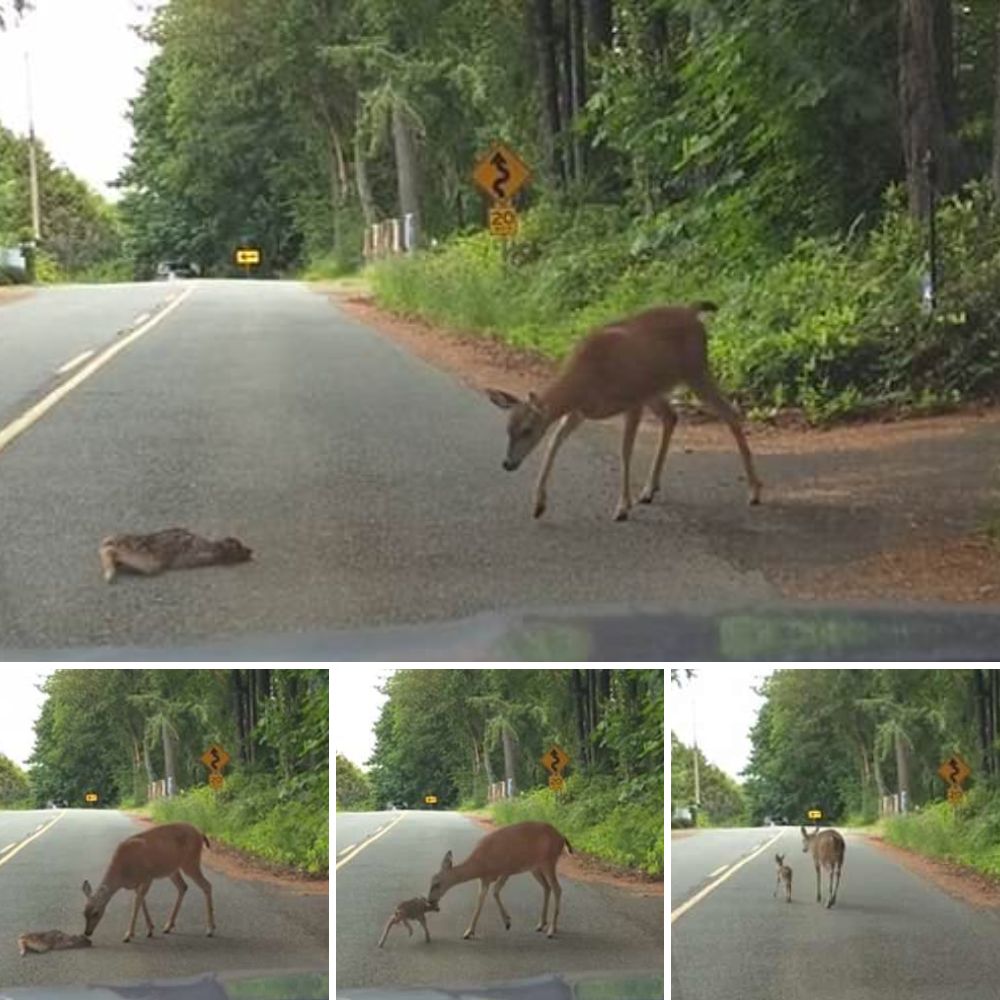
353	787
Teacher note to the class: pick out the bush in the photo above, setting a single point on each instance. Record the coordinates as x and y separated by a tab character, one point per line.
832	326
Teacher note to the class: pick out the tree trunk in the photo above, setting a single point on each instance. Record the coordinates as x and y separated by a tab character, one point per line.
922	123
407	176
576	682
509	760
996	113
981	718
879	778
169	759
368	211
600	26
902	773
577	85
542	31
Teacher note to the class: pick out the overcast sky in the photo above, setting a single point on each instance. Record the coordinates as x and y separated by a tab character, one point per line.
356	707
720	701
85	65
19	707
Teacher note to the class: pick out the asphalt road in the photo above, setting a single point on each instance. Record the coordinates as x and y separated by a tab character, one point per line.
601	928
892	935
260	926
368	483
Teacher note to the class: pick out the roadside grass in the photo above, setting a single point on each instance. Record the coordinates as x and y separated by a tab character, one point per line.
256	815
598	818
967	834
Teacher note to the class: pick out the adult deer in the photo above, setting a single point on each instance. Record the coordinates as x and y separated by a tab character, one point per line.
827	848
523	847
623	367
162	852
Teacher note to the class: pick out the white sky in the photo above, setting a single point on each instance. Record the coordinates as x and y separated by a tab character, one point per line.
356	707
720	701
85	65
19	709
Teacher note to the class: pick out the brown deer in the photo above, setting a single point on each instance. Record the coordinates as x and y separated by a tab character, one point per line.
827	847
784	876
171	548
523	847
623	367
43	941
162	852
410	909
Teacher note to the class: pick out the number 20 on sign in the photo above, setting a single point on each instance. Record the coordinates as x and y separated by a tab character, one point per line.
503	220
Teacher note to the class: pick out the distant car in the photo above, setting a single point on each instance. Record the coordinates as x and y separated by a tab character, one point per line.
682	817
166	270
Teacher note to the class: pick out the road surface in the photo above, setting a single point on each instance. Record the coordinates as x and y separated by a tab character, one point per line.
601	928
892	935
260	926
367	483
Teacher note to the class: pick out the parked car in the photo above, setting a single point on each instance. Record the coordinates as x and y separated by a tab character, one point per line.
167	270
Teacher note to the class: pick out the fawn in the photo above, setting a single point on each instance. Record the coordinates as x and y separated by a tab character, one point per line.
410	909
785	876
43	941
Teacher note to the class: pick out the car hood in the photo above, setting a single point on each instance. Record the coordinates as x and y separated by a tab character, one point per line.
774	632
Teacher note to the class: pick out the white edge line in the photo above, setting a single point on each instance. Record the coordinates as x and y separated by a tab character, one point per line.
24	843
73	362
366	843
699	896
20	424
141	319
718	871
4	850
350	847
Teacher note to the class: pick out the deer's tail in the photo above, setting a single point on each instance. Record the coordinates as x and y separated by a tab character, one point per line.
704	307
568	848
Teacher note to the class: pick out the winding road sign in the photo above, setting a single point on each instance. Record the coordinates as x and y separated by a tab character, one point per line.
501	173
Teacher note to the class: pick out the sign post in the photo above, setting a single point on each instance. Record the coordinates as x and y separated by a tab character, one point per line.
248	257
500	174
955	773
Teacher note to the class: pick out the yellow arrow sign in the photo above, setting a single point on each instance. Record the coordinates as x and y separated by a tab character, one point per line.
430	800
815	814
90	797
954	770
248	255
555	759
501	173
215	758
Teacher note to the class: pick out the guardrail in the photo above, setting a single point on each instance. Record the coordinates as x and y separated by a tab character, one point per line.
389	238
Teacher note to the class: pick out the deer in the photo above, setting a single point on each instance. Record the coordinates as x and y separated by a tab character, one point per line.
522	847
162	852
784	876
410	909
40	942
827	848
624	367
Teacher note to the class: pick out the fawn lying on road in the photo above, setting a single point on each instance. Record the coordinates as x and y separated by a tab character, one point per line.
43	941
172	548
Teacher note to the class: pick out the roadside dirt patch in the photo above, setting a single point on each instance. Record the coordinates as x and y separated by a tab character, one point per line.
891	510
957	880
237	864
587	868
10	293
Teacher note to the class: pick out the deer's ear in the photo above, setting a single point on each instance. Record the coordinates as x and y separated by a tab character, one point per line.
803	829
87	891
447	861
502	399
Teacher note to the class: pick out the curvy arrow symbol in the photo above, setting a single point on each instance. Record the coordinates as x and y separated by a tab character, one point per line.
954	769
503	172
215	757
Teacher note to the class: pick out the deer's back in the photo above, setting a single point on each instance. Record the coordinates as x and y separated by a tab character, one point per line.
520	847
637	358
156	853
829	847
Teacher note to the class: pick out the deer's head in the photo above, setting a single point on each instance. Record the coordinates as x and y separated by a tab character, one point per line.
441	882
526	425
97	900
808	838
232	550
780	858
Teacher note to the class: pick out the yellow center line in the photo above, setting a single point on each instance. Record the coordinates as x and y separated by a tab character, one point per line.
370	840
31	416
24	843
698	897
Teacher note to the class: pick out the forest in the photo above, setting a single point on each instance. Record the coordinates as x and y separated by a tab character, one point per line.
783	159
120	732
455	733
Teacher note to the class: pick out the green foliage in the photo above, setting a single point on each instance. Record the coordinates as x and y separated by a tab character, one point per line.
354	790
15	789
253	814
722	801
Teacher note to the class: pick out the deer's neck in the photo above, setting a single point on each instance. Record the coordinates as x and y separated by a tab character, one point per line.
465	872
558	399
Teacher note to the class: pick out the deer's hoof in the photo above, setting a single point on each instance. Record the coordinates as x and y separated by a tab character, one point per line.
542	927
210	932
167	929
468	936
647	496
551	934
754	499
126	939
621	514
506	924
539	509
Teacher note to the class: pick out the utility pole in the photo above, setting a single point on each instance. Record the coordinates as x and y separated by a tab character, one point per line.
697	783
36	215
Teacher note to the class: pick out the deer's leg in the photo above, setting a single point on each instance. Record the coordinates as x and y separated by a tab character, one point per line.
557	893
543	922
708	392
409	929
181	887
567	425
776	884
423	923
668	421
836	888
484	887
148	918
628	444
385	931
497	886
137	901
832	893
139	562
819	895
108	565
194	873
